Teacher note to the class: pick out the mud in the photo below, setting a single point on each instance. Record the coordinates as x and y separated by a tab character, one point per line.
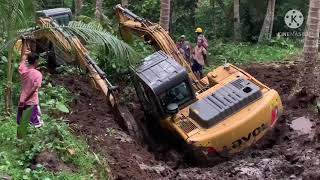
284	153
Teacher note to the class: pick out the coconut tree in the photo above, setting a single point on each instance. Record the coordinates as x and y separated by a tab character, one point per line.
310	48
236	16
308	83
165	14
266	30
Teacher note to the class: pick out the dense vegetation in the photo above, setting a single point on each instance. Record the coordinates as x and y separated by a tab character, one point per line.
18	157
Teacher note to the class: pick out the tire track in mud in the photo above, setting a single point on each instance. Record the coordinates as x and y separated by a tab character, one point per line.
279	155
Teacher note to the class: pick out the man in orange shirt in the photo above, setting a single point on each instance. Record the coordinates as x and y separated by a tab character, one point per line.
31	80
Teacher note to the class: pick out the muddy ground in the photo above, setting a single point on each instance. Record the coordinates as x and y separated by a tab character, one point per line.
286	153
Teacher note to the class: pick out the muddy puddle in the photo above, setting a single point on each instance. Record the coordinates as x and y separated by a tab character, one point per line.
302	125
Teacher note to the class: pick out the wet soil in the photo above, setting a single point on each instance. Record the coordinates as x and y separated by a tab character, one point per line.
283	153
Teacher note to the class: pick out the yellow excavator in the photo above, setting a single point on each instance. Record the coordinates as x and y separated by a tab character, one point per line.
222	113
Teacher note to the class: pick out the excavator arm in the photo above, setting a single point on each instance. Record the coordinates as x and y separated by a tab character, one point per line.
75	52
153	33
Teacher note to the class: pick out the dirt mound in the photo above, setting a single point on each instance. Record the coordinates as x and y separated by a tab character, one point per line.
279	155
50	160
281	77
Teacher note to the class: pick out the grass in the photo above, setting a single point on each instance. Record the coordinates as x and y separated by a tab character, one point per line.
244	53
17	156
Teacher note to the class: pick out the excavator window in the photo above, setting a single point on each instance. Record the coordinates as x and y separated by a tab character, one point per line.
179	94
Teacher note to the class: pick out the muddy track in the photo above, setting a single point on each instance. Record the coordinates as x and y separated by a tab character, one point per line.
284	153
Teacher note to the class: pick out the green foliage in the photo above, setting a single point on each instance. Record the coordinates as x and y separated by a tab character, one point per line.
53	98
92	33
147	9
246	53
184	19
16	78
17	157
118	68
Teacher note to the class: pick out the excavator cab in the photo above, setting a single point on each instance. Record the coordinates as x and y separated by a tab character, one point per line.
62	16
164	86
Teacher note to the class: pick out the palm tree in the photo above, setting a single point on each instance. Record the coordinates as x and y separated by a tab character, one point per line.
98	12
308	83
236	15
165	14
310	49
266	30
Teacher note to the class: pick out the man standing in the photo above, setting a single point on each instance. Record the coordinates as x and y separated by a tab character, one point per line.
31	80
201	37
185	47
199	58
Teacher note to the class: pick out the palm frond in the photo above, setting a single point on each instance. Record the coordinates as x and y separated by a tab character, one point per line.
15	14
92	33
8	44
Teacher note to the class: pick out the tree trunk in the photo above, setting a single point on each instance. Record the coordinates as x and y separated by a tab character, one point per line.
307	86
125	3
171	15
213	22
266	30
165	14
310	48
8	89
98	12
236	16
78	7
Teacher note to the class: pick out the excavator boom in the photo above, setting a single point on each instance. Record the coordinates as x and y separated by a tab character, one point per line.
153	33
74	52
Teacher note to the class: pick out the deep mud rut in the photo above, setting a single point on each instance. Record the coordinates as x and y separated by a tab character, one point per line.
285	153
